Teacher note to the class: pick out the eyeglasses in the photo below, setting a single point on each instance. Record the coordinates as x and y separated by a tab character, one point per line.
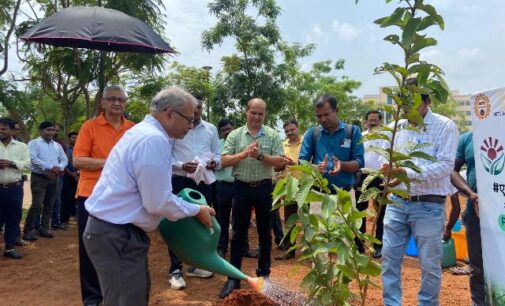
189	119
119	99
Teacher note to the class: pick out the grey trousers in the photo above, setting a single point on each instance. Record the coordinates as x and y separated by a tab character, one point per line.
473	240
119	255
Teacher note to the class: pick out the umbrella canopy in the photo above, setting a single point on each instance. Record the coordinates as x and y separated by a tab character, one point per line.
97	28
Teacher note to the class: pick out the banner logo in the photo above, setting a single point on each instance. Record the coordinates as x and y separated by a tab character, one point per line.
482	106
492	156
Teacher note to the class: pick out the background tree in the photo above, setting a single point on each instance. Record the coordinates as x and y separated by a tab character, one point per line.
8	14
66	74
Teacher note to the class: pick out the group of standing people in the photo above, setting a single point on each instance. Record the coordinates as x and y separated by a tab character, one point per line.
52	204
128	176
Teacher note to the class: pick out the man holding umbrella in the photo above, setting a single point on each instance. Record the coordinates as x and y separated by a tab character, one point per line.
95	141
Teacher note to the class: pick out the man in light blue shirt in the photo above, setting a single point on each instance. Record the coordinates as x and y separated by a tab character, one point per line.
133	193
48	162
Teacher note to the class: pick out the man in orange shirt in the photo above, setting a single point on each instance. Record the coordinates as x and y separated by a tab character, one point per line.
95	141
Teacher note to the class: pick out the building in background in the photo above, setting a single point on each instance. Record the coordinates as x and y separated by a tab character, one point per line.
461	104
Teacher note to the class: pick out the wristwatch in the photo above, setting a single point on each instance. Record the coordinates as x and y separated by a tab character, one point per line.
260	157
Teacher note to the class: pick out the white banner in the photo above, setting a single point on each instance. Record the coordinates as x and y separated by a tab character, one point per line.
488	120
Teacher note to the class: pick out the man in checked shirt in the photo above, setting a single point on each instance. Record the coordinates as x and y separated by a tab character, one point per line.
422	213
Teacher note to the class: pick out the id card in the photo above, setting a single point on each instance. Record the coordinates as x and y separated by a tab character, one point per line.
346	143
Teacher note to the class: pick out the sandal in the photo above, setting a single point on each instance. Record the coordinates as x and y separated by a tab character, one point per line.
460	270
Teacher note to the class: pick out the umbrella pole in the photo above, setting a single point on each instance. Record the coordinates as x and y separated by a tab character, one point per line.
101	83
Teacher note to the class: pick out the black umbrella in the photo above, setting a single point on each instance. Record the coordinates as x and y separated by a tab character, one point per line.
97	28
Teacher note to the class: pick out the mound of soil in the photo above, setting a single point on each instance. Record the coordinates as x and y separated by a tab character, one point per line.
247	297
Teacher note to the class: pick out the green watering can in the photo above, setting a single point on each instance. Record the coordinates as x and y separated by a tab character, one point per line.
196	245
448	254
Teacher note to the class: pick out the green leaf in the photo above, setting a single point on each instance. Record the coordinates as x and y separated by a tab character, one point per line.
347	271
400	192
422	155
409	32
372	268
368	194
306	184
394	39
358	215
432	12
393	19
423	43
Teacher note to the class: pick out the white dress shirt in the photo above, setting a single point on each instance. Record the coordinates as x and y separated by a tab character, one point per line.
136	182
200	141
442	136
373	159
46	154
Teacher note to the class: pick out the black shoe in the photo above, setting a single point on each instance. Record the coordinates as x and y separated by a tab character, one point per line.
285	256
57	227
20	242
221	253
377	253
45	233
251	254
12	253
29	236
228	288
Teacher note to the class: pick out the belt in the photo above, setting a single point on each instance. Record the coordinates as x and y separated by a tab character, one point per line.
426	198
254	184
224	182
127	225
11	185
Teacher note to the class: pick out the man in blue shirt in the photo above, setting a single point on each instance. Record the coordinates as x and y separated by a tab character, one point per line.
465	155
48	162
337	154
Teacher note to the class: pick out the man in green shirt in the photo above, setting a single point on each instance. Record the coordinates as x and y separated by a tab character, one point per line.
253	150
465	155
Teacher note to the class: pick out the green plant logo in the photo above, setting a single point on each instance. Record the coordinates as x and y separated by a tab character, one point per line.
501	222
492	156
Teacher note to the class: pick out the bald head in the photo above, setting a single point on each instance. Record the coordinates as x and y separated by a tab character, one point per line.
256	102
255	113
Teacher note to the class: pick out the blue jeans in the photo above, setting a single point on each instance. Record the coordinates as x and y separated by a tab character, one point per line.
425	221
55	219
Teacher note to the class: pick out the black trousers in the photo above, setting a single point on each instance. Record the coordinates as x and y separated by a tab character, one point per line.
178	184
11	201
224	200
245	198
364	205
68	200
90	286
43	197
289	210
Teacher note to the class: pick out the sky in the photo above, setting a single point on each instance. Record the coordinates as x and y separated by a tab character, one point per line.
469	50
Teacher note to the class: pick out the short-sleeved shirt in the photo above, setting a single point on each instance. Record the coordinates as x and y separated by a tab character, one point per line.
465	153
224	174
251	170
293	152
334	144
96	139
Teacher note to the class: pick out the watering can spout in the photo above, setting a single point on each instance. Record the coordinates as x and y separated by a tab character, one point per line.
194	244
257	283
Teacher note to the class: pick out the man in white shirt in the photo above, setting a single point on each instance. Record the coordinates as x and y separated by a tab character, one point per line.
202	141
422	213
133	193
373	119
